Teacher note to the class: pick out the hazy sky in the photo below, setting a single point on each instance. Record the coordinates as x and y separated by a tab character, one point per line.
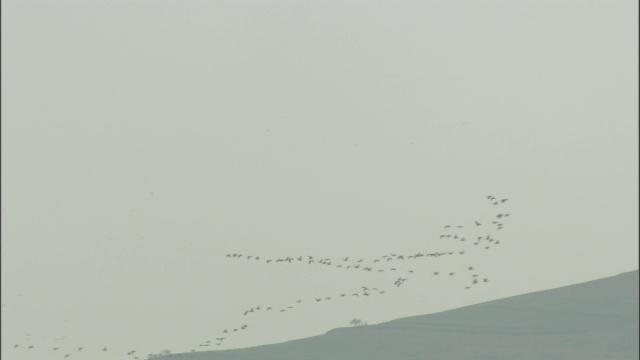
144	140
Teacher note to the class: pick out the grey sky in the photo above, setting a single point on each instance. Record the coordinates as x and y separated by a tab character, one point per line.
142	141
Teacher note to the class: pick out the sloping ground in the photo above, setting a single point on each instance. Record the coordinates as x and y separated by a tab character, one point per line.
593	320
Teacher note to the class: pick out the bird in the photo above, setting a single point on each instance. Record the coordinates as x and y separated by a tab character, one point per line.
105	349
503	200
54	349
477	223
80	349
298	301
436	273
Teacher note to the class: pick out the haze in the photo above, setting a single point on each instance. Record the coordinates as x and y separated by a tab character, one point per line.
144	140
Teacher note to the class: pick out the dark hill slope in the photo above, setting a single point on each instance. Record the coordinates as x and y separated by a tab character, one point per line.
592	320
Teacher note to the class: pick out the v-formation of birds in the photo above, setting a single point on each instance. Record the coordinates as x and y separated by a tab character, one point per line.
389	263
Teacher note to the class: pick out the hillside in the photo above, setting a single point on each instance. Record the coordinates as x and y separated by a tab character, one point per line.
592	320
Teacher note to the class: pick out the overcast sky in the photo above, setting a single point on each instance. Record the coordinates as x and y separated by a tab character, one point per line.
144	140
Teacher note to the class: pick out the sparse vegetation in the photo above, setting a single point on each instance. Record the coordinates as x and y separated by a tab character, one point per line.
157	356
357	322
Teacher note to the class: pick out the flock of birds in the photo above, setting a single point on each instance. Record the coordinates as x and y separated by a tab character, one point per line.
395	263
